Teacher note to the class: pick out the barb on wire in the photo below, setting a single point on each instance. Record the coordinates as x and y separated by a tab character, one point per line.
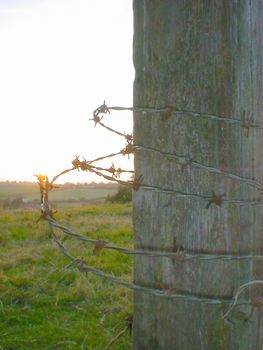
45	186
99	245
103	109
129	149
129	321
115	172
187	162
257	302
215	199
134	184
247	122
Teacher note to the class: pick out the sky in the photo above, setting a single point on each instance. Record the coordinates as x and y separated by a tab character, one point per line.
59	60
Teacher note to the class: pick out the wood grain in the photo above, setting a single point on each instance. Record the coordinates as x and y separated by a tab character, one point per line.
203	56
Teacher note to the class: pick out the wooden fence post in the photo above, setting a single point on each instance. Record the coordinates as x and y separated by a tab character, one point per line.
199	63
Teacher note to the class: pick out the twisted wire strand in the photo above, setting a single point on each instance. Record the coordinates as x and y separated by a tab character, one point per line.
240	290
112	130
183	160
109	170
110	178
62	173
82	266
180	255
104	157
174	110
180	194
96	169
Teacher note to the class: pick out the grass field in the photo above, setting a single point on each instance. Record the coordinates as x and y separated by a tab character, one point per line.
43	304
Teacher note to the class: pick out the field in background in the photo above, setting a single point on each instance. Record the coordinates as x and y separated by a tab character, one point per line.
44	304
66	195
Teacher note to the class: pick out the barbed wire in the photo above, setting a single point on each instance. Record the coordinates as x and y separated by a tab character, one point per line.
246	121
170	293
113	173
217	199
185	161
83	266
180	254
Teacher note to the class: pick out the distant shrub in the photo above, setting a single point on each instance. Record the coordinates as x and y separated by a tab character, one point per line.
123	195
6	203
15	203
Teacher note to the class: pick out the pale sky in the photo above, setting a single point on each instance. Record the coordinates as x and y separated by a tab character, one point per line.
59	59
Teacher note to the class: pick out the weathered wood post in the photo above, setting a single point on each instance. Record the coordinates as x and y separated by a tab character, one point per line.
199	66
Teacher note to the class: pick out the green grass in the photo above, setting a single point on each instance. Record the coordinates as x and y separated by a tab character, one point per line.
43	305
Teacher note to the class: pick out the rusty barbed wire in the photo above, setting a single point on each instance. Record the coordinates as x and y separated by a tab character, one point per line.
100	244
113	173
181	254
187	160
83	266
246	120
214	199
87	166
169	293
97	117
